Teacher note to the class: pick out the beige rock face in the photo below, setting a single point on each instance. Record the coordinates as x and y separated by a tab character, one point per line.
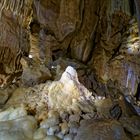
34	100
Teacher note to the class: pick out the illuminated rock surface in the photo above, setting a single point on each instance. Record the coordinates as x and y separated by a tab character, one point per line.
65	109
66	93
69	70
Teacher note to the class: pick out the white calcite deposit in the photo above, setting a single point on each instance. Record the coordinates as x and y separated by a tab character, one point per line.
67	92
64	110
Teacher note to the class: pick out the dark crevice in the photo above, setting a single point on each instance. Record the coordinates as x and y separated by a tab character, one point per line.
116	52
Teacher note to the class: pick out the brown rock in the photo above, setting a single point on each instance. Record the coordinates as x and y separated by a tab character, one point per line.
14	37
100	129
103	107
35	74
132	124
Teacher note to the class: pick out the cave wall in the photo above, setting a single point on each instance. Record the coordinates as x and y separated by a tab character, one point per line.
15	17
102	34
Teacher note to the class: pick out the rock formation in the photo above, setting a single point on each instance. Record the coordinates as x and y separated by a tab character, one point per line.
69	69
65	109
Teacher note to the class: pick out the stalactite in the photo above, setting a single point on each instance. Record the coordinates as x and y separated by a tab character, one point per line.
119	5
113	7
37	5
129	74
16	6
10	6
137	4
19	6
131	79
2	4
133	83
16	9
109	27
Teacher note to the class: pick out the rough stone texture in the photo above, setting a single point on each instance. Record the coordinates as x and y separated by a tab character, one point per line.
122	66
68	137
15	124
108	42
76	114
103	107
50	137
34	100
132	125
98	129
35	74
53	94
99	39
64	128
14	39
137	3
5	94
68	87
3	97
64	19
11	113
39	134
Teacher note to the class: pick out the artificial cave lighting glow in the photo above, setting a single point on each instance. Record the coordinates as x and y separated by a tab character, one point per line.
133	48
131	79
30	56
53	67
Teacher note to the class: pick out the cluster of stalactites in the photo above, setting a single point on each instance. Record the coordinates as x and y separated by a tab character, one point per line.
19	8
114	6
119	5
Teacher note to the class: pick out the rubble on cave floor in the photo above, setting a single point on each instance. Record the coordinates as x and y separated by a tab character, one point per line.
65	109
